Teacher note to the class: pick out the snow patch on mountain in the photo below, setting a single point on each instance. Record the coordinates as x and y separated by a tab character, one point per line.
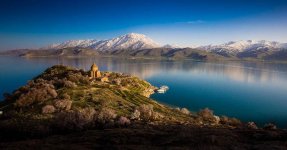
130	41
241	46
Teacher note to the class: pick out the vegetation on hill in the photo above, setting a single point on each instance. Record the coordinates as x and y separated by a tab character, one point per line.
65	100
66	94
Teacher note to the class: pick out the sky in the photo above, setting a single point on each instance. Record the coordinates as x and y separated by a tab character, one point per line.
37	23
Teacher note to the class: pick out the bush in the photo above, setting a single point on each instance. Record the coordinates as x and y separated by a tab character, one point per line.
205	113
37	93
136	115
146	112
270	126
69	84
156	116
224	120
106	115
65	96
79	119
86	115
234	122
63	104
206	116
48	109
252	125
123	121
230	121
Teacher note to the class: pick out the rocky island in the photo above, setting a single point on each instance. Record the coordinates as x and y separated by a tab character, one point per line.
65	107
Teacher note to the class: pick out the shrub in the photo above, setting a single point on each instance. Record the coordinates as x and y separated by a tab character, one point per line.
74	77
86	115
65	96
230	121
78	119
105	102
63	104
234	122
206	116
85	80
252	125
270	126
37	93
48	109
156	116
106	115
69	84
146	112
206	113
136	115
185	111
224	120
123	121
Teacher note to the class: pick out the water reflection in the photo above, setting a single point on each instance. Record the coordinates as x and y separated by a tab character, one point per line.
239	71
247	90
247	72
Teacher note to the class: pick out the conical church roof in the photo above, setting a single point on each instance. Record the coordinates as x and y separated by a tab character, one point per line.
94	67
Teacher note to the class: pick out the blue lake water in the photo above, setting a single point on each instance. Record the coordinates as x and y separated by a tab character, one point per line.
250	91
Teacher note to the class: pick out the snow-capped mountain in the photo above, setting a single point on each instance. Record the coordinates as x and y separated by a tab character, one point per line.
134	41
242	46
130	41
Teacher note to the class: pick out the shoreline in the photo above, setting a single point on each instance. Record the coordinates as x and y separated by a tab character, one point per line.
154	58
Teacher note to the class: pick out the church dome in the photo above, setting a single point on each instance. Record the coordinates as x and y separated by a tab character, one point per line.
94	67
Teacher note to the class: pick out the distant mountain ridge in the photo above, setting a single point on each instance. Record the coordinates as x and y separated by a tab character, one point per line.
134	41
139	45
130	41
241	46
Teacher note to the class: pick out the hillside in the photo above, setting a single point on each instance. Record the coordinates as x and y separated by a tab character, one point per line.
63	107
179	53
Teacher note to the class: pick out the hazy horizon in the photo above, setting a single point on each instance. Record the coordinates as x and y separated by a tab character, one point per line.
34	24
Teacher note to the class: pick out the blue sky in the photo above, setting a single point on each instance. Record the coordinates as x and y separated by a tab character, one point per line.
36	23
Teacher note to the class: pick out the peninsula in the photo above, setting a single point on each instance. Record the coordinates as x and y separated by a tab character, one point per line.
73	108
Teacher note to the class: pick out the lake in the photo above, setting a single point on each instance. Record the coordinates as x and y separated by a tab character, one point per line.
250	91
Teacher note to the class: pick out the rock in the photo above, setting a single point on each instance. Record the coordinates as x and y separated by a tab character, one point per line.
216	119
185	111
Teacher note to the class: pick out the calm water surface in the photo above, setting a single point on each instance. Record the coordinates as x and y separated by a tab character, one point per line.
245	90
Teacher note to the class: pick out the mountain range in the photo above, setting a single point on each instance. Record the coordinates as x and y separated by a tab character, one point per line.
139	45
129	41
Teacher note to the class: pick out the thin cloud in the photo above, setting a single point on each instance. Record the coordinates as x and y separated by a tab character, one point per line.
195	22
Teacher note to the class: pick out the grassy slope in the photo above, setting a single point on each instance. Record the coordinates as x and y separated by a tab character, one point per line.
122	98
